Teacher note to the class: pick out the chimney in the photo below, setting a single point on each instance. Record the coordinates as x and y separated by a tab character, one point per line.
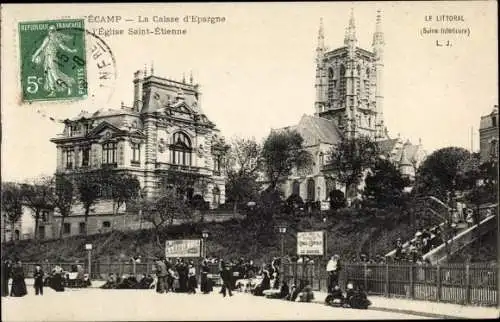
138	81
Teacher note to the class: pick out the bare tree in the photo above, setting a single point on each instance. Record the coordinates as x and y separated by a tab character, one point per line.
37	196
12	205
63	198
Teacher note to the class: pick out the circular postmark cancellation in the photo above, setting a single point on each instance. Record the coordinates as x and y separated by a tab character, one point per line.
61	60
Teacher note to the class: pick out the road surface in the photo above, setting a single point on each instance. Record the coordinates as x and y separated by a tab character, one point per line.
95	304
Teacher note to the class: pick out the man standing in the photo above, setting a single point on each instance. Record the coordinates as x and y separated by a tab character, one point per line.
38	276
226	276
161	273
333	269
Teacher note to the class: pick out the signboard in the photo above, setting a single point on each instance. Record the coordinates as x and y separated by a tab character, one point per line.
183	248
310	243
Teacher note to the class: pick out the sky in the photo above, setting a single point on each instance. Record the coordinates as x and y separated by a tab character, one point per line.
256	69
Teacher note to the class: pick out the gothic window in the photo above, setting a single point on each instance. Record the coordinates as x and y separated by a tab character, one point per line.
331	84
136	152
85	156
109	153
181	149
342	82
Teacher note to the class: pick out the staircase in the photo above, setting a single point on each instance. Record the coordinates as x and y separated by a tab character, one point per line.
462	239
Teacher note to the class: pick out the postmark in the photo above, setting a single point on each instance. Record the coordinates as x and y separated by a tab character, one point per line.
53	60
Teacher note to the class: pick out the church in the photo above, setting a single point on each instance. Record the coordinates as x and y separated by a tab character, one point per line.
164	132
349	103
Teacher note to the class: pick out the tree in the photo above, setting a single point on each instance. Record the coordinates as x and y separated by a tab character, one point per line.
283	151
440	173
243	160
162	210
37	196
124	188
350	158
12	204
63	198
384	185
89	191
337	199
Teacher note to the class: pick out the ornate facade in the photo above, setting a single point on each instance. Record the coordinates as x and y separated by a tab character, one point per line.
164	132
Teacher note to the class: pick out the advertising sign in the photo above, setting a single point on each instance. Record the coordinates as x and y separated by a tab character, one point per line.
183	248
310	243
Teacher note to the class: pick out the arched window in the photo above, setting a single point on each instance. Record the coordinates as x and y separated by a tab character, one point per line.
358	68
216	197
296	188
321	159
331	84
17	234
368	73
341	89
180	150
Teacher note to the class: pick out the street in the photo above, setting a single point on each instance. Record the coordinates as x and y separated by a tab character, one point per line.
98	305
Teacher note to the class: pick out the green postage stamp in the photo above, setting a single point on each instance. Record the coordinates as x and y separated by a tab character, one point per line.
53	60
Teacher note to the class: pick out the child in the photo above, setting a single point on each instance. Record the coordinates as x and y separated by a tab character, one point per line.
38	276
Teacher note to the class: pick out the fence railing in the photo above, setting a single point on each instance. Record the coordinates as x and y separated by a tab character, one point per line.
454	283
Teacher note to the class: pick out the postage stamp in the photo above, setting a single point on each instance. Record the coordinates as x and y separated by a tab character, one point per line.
53	60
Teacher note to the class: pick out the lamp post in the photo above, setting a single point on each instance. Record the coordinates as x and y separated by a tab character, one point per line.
204	235
325	237
282	231
88	248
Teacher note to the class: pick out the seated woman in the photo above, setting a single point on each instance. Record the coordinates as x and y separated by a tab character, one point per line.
356	298
335	298
265	284
306	295
56	281
127	283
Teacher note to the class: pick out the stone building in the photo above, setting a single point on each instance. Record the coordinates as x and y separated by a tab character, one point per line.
164	132
349	103
488	136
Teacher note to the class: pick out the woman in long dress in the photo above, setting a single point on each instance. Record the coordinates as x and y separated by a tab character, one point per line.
205	283
18	284
55	79
6	274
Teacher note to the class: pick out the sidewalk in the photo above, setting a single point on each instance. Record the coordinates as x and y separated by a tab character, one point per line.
425	308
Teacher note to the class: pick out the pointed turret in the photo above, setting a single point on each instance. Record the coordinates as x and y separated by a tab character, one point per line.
350	34
320	50
320	70
405	166
378	36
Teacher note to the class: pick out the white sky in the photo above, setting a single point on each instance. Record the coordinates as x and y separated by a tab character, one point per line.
257	69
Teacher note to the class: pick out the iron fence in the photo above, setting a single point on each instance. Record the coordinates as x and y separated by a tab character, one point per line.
454	283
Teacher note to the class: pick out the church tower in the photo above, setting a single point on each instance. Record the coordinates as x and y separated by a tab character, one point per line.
349	83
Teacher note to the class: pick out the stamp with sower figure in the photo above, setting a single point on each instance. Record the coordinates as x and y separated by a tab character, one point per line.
53	60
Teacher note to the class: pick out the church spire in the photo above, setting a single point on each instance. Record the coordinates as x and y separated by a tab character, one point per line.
320	50
378	35
350	34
